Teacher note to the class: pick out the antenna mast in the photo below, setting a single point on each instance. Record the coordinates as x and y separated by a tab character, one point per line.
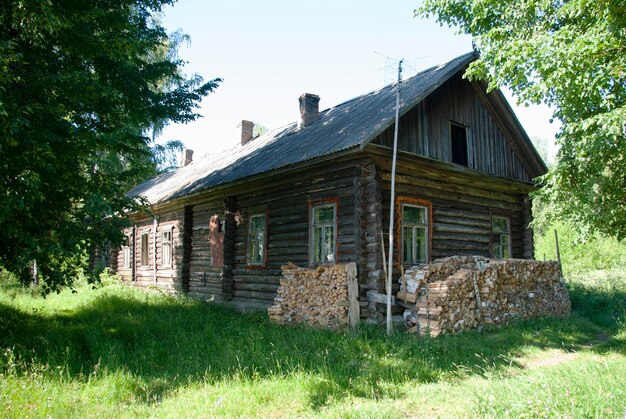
393	194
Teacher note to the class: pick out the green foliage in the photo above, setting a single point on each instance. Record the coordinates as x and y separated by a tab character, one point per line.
542	146
579	257
593	268
570	55
118	351
81	83
259	130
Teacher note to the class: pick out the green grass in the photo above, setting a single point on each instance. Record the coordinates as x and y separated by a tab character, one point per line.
116	351
579	257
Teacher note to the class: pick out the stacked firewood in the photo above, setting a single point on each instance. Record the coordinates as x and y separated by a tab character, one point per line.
312	296
458	293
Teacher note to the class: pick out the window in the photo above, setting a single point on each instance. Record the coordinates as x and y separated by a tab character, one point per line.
127	252
459	144
256	240
501	237
145	249
166	247
323	234
414	234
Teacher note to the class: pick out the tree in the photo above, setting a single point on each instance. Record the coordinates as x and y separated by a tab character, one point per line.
81	85
542	146
570	55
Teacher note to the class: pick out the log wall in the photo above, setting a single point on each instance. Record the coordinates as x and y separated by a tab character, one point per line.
205	279
287	203
462	200
169	278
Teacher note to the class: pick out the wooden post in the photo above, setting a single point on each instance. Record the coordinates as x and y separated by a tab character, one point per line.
382	246
155	225
133	255
354	312
403	282
558	252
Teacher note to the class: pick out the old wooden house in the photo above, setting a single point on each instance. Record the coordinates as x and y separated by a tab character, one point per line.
317	192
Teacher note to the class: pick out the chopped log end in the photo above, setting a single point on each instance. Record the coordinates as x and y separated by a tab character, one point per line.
319	297
464	292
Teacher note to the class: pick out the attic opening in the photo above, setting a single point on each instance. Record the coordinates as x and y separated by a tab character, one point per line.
458	135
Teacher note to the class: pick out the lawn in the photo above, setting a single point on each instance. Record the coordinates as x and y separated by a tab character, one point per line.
117	351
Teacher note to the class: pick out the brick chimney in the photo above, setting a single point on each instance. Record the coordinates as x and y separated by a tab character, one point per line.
309	109
247	127
186	157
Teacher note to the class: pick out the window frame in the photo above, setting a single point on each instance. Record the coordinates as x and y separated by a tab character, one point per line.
415	226
127	254
456	125
313	206
500	256
145	255
399	228
168	230
264	256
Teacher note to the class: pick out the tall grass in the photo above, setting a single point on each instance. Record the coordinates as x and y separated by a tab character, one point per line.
578	257
117	351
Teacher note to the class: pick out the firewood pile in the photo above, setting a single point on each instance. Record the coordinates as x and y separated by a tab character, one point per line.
316	297
467	292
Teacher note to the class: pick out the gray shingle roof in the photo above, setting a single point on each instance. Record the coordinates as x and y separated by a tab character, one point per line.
348	125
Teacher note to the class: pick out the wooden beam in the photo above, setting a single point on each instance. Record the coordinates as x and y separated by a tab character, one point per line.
354	312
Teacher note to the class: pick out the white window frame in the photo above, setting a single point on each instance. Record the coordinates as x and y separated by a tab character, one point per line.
127	253
322	226
167	248
256	246
414	257
146	256
500	254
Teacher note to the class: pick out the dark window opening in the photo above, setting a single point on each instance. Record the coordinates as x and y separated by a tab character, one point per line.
459	144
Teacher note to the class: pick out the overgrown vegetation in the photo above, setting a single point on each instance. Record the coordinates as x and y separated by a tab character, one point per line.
596	269
85	86
580	255
111	350
569	55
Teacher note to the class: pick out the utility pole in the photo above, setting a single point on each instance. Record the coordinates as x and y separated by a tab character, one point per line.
393	195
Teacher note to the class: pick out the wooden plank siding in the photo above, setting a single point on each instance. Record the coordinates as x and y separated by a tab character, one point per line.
425	131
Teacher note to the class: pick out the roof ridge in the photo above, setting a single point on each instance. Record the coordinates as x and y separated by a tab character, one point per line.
348	125
393	84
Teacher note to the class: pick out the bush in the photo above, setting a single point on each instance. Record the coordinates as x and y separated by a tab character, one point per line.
579	255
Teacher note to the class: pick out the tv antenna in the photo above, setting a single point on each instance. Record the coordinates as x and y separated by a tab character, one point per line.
390	69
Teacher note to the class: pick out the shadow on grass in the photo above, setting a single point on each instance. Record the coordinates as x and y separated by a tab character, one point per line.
168	342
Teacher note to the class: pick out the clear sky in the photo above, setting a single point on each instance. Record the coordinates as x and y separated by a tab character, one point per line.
270	52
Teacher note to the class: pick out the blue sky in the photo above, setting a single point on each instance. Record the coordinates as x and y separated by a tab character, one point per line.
270	52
